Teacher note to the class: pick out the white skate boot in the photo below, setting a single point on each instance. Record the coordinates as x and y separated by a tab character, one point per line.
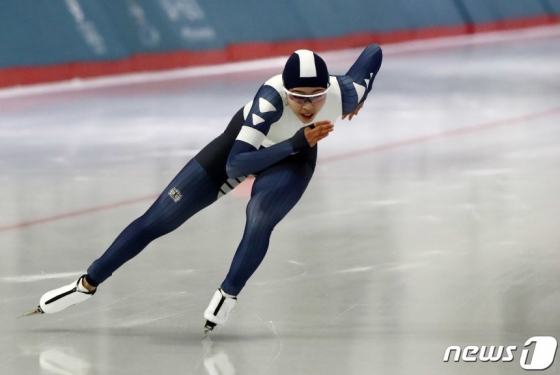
62	298
218	310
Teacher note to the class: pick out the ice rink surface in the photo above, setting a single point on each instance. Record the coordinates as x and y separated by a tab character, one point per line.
432	220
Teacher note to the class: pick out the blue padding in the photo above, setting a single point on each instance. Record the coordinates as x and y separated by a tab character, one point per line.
161	26
480	11
552	6
323	15
51	32
484	11
508	9
256	20
341	17
430	13
48	32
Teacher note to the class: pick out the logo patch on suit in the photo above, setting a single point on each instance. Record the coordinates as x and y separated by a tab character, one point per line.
175	194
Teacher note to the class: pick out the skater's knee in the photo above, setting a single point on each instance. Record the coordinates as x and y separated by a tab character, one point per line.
261	223
152	227
263	215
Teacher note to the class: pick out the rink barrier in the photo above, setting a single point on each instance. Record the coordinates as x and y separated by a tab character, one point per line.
47	57
180	59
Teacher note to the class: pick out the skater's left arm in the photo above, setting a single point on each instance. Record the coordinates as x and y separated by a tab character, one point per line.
246	156
358	82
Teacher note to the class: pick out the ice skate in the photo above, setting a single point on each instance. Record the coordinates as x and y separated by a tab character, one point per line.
218	310
62	298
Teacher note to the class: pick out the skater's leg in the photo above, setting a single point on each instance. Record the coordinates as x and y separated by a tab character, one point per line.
275	192
189	192
199	184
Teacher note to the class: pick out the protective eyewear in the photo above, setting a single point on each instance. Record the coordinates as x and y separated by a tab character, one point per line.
302	98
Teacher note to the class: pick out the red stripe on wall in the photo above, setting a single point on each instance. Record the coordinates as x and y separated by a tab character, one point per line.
136	63
518	23
244	51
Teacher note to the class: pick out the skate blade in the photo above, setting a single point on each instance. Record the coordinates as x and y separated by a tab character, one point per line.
38	310
209	326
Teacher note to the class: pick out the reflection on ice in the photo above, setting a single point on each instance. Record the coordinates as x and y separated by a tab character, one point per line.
216	361
63	361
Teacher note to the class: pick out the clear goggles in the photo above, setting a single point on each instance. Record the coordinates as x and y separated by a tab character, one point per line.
302	98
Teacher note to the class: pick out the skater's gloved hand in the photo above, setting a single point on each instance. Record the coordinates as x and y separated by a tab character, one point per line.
318	131
354	112
309	136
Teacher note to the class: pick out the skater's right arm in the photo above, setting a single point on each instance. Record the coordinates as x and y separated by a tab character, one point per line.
247	157
358	82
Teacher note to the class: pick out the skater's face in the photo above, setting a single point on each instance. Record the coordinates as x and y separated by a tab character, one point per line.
306	102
